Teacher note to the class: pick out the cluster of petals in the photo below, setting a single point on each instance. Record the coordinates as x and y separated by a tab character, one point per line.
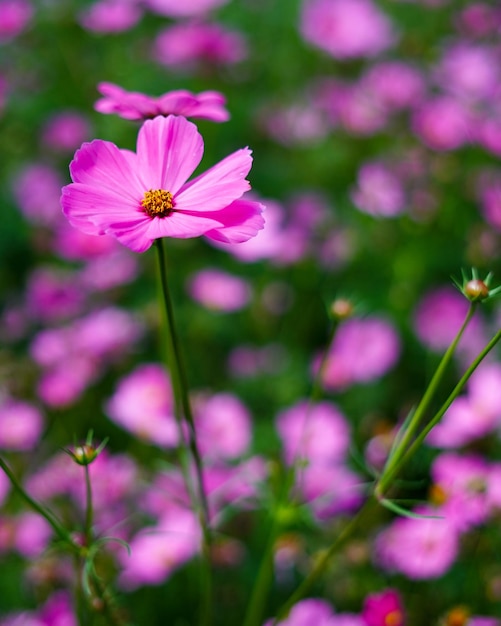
110	186
132	105
96	340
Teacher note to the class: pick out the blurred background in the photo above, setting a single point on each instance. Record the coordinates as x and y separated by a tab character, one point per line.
376	135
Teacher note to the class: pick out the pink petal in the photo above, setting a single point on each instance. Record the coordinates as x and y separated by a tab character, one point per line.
216	188
168	150
242	220
183	225
95	210
102	164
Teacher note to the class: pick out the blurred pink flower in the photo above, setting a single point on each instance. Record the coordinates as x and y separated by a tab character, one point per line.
363	350
383	608
439	316
132	105
143	404
65	131
469	71
138	198
15	16
41	206
75	355
489	195
443	123
32	534
352	105
460	480
21	425
307	612
346	28
187	8
330	489
479	19
419	548
394	84
111	16
53	295
74	245
281	242
318	433
379	191
58	610
219	290
157	551
223	426
473	415
186	45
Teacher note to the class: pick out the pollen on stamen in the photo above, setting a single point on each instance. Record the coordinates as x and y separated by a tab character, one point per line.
157	203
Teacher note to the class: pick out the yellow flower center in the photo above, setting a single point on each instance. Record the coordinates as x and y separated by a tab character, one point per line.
157	203
394	618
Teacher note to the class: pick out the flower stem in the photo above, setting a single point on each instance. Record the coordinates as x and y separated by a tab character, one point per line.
89	511
58	529
454	394
394	461
183	408
321	564
264	577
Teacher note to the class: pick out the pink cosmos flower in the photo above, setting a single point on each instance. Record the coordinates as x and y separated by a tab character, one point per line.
379	191
142	403
317	433
15	15
418	548
110	16
363	350
346	28
65	130
187	8
139	197
382	609
21	425
132	105
219	291
186	45
223	425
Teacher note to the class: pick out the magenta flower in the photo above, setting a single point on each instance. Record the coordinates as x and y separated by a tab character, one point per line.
132	105
383	609
139	197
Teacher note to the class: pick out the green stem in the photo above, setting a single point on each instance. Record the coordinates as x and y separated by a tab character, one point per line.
395	458
56	526
454	394
256	605
321	564
183	407
89	511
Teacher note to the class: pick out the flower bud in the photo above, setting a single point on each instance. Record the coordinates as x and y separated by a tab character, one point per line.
341	309
476	290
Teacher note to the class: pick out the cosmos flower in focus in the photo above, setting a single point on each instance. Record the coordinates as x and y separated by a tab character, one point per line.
139	197
132	105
